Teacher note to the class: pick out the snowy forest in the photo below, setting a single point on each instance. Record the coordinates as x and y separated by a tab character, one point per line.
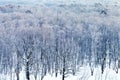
60	41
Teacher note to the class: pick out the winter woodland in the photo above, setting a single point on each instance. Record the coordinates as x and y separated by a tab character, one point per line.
69	42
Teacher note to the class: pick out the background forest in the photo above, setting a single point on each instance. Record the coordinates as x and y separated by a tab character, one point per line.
58	40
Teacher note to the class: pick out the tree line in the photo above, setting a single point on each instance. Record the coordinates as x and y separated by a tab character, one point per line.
43	50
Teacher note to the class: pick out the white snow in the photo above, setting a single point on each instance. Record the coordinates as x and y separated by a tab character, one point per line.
82	74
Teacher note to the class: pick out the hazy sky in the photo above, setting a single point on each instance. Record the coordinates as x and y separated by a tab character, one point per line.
63	1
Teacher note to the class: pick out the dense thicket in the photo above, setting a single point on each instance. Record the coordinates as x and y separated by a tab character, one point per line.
54	40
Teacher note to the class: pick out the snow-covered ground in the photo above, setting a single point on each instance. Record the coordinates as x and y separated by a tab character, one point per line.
82	74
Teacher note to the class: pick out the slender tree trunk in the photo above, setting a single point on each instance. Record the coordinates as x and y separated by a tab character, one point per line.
18	64
42	77
27	71
92	70
63	74
109	62
116	66
119	63
103	65
18	69
11	75
36	73
56	68
35	76
17	75
56	74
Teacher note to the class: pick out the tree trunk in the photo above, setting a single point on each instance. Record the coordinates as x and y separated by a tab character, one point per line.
56	69
63	74
109	63
92	70
17	75
118	63
42	77
35	76
91	64
56	74
73	72
103	65
18	66
27	71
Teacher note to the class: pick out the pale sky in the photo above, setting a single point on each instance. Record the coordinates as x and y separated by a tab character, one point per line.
64	1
